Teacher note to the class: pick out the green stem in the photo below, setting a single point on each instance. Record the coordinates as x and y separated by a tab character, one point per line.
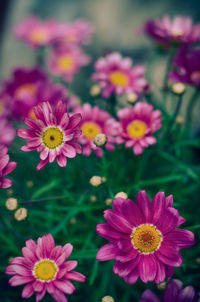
191	105
168	66
43	199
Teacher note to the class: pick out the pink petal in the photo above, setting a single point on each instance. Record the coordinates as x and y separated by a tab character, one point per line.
106	252
132	277
143	202
28	291
107	232
117	221
65	286
147	268
182	238
18	280
75	276
158	206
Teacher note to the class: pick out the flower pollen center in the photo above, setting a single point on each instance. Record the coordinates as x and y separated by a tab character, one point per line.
1	107
38	36
66	62
53	137
146	238
136	129
45	270
25	90
90	130
118	78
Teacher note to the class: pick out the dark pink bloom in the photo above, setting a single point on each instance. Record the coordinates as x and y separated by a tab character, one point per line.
27	88
95	121
187	67
35	32
144	238
43	268
6	167
7	132
178	30
5	104
173	293
116	75
78	32
66	62
137	124
53	133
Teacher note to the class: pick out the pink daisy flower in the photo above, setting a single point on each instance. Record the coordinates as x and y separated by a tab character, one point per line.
144	238
137	124
66	62
53	133
178	30
78	32
95	121
35	32
173	293
27	88
6	167
7	132
117	75
43	268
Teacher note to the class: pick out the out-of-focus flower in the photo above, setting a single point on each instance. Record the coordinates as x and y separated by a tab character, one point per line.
144	238
108	201
95	90
178	88
66	62
43	268
6	167
78	32
36	33
5	104
95	181
11	204
95	121
137	124
53	133
180	119
187	67
21	214
122	195
173	293
132	97
7	132
116	75
179	30
100	140
30	86
93	198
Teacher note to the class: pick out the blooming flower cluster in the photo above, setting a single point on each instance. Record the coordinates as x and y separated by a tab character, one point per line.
43	268
6	167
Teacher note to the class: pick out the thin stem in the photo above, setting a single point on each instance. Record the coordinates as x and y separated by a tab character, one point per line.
168	66
191	105
43	199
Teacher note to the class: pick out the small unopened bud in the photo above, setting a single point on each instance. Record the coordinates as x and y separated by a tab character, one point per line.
132	97
103	179
95	90
108	201
198	260
96	181
11	204
178	88
21	214
29	184
162	286
122	195
10	192
73	220
179	119
93	198
100	140
108	299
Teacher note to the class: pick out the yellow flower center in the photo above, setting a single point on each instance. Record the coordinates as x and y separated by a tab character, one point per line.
90	130
32	114
52	137
1	107
119	79
66	62
25	90
38	36
136	129
146	238
45	270
195	77
177	33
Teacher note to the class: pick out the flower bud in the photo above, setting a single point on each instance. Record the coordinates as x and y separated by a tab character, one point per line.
122	195
96	181
29	183
162	286
21	214
93	198
100	140
95	90
178	88
179	119
108	299
11	204
132	98
108	201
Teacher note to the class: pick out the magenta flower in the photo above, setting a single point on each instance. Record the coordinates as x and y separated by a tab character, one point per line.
117	75
95	121
78	32
35	32
179	30
5	104
44	269
53	133
143	237
137	124
27	88
6	167
187	67
66	62
173	293
7	132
